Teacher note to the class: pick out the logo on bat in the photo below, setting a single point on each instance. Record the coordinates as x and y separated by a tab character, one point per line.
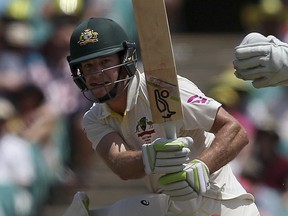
162	104
164	93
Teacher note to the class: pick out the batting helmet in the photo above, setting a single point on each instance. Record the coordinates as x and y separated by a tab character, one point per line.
98	37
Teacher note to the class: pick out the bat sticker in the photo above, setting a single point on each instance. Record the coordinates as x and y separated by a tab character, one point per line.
163	93
162	104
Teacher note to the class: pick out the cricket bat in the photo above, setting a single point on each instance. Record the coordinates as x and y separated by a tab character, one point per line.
158	63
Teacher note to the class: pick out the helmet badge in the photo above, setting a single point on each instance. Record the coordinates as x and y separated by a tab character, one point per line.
88	36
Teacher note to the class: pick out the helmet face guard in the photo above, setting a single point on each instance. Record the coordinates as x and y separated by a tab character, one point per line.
128	62
99	37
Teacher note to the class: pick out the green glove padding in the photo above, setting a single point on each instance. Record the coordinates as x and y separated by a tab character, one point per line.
166	156
188	183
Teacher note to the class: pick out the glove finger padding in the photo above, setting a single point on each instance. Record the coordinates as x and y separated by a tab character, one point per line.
169	145
166	156
262	60
251	46
168	169
259	59
243	52
186	141
179	191
171	161
174	154
195	174
274	69
254	38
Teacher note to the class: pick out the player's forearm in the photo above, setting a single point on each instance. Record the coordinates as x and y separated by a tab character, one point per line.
229	141
127	165
123	161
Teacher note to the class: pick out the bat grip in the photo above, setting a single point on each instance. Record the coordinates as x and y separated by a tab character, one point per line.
170	130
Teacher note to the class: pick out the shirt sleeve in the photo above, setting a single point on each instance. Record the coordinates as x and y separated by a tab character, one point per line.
95	128
199	110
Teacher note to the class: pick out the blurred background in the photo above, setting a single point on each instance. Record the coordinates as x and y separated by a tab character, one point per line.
44	156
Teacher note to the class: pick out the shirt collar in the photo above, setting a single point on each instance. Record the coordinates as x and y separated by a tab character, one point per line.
133	91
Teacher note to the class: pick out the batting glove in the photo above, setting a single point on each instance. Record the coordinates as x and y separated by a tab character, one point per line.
264	60
192	181
166	156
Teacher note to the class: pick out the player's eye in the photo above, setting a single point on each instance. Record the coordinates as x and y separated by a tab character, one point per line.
106	62
87	68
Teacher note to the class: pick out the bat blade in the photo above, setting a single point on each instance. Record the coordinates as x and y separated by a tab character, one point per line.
158	63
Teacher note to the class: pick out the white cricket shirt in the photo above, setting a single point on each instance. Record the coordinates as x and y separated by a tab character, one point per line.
137	128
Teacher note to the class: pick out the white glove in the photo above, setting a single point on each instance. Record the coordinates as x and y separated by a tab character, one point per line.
187	184
166	156
264	60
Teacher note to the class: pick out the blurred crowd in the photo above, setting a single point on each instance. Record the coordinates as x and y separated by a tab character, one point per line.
41	140
42	144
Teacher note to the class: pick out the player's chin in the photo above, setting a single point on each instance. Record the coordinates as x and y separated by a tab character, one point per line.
99	92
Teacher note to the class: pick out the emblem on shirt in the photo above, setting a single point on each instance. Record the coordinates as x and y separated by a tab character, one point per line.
197	99
88	36
145	129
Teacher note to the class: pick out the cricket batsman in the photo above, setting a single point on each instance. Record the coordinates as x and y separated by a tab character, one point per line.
188	175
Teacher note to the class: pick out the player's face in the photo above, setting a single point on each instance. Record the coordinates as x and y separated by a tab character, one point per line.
101	73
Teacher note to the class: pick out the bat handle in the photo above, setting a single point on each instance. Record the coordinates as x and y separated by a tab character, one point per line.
170	130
